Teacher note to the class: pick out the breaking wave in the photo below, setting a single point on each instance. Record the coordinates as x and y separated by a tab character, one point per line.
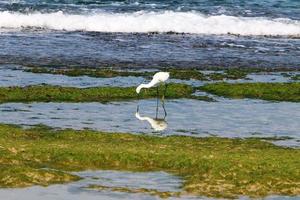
143	22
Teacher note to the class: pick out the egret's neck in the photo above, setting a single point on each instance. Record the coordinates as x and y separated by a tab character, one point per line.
148	85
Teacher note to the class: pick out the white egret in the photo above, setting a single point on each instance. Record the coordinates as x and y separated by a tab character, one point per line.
158	78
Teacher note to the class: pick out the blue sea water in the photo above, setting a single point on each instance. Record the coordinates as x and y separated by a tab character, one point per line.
255	8
136	33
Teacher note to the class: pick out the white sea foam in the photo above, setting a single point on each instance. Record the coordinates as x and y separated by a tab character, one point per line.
141	22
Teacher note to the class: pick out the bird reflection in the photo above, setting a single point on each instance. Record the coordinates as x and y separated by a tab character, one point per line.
157	124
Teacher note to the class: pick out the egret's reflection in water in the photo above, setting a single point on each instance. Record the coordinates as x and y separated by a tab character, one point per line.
157	124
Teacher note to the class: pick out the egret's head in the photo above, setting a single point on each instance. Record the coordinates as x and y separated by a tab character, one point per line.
138	89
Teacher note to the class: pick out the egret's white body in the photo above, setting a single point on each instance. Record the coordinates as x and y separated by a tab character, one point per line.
158	78
156	124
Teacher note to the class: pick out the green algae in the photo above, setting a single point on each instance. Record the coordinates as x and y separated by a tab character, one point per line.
265	91
48	93
91	72
232	74
182	74
216	74
215	167
109	73
152	192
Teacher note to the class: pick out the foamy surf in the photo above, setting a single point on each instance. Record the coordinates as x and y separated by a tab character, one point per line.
143	22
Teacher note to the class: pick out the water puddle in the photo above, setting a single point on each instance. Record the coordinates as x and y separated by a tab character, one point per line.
156	181
225	118
113	185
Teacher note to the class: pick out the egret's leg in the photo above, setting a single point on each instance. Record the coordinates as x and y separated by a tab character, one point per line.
165	92
163	100
157	101
165	111
139	96
166	87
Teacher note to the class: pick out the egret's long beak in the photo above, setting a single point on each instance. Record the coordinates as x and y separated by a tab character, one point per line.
138	94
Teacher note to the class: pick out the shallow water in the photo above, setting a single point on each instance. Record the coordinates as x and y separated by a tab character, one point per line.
160	181
13	75
225	118
17	77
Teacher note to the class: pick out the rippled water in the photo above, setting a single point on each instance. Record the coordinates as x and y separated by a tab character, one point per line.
225	118
270	8
116	33
143	50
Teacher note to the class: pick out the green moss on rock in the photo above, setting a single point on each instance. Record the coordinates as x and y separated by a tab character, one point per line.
215	167
266	91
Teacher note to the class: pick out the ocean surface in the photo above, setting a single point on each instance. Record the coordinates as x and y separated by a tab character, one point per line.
136	33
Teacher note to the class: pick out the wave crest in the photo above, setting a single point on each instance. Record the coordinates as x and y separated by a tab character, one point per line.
143	22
